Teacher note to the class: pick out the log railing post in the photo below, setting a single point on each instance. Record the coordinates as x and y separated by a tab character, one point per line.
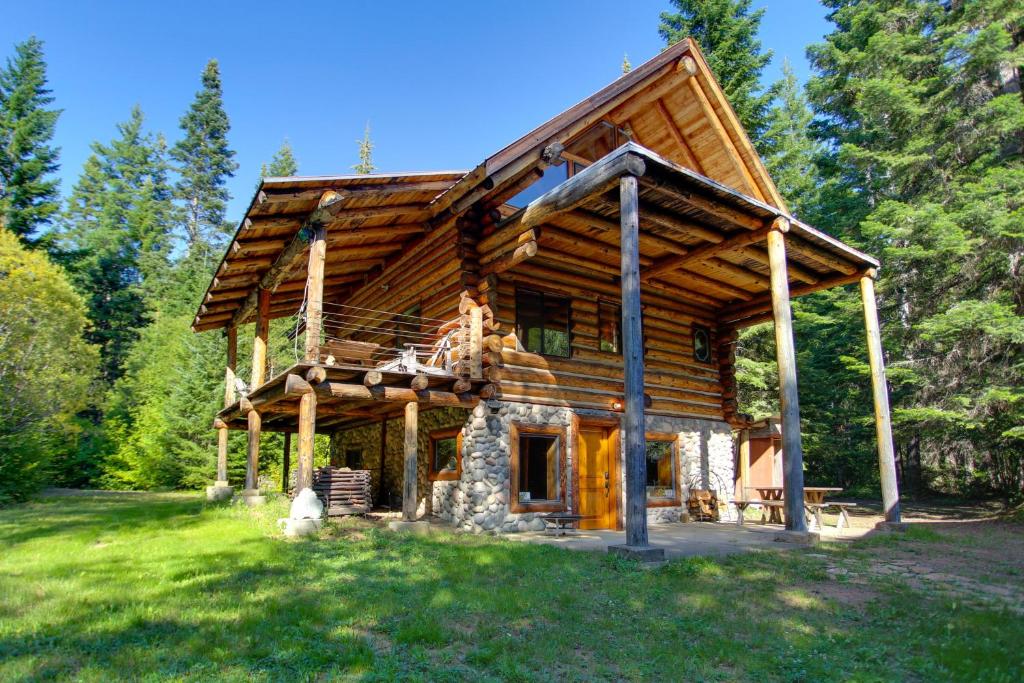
411	460
637	544
880	391
315	292
789	402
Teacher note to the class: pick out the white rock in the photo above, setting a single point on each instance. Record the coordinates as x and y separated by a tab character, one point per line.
306	506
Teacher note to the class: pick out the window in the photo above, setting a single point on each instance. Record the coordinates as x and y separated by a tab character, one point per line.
542	322
354	458
552	178
661	470
701	344
609	327
537	481
407	327
446	454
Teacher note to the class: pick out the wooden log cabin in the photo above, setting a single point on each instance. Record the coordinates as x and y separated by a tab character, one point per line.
551	331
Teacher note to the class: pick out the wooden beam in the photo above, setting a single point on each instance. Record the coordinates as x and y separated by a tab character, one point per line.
669	263
880	392
410	469
677	136
633	365
821	256
738	315
340	390
730	148
789	401
290	257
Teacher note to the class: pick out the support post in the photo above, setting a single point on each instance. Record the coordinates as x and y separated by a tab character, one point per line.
315	292
744	463
251	493
476	342
286	462
381	484
221	490
259	343
880	391
307	432
255	421
411	457
792	447
637	544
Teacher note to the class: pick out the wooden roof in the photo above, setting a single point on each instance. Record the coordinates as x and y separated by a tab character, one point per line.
671	106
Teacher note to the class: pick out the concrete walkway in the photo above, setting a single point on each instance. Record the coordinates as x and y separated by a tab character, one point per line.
706	539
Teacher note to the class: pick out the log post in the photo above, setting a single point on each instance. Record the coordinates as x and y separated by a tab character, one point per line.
229	398
411	457
744	463
637	544
259	345
307	432
476	342
286	462
252	461
315	292
789	402
880	391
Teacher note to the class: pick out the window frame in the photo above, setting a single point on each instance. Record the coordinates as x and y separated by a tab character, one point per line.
676	499
694	330
516	431
618	325
568	320
439	435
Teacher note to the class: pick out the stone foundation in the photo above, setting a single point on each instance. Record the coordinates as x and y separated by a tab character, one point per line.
479	501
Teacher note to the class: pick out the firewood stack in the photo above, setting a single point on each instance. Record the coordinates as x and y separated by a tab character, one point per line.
343	491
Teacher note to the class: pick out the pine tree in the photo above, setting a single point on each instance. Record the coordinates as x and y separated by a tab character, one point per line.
794	150
116	238
365	164
626	65
205	162
282	165
727	33
29	194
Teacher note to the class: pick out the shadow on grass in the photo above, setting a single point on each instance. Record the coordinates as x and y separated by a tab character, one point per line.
202	592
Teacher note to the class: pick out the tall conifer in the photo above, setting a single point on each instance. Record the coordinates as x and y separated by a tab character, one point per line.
29	192
365	164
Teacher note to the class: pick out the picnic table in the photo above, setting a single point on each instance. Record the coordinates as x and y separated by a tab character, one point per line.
772	498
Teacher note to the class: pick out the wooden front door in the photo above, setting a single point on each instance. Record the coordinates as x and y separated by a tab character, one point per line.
598	479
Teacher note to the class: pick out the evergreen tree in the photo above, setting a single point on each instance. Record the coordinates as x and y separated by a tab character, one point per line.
116	238
727	33
626	65
282	165
28	191
794	150
921	109
205	162
365	164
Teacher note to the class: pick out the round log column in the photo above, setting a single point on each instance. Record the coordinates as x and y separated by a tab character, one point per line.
307	432
411	457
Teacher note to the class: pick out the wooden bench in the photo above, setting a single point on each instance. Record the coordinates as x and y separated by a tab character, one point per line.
560	523
742	505
815	509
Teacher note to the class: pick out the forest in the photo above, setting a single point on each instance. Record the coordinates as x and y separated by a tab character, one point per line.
907	142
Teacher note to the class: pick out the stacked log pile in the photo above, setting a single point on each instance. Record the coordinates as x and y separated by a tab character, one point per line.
343	491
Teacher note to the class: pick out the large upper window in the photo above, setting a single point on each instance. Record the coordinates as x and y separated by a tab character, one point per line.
537	482
661	471
542	322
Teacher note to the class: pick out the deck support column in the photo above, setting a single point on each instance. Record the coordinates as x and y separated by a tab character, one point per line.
409	495
254	419
286	462
789	401
307	432
221	489
880	391
637	543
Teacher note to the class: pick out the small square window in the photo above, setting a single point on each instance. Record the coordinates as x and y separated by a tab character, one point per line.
354	458
446	454
661	472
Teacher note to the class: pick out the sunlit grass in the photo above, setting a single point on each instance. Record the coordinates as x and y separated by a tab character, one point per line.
162	587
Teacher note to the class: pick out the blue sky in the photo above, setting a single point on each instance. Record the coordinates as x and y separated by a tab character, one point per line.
441	84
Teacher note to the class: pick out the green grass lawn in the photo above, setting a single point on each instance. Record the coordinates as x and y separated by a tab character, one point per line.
162	586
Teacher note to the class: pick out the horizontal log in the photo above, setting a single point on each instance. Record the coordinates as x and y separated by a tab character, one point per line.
340	390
